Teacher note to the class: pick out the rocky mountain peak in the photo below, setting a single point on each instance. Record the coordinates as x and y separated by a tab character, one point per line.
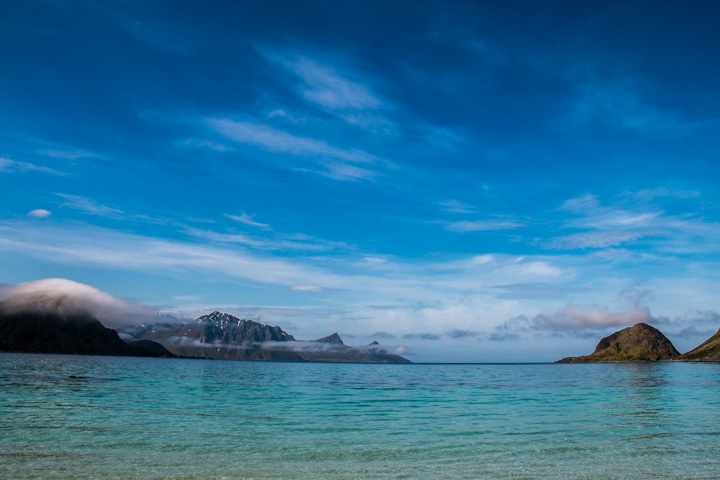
219	318
333	339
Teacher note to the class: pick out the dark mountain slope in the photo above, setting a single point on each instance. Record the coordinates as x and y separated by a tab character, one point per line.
73	333
708	351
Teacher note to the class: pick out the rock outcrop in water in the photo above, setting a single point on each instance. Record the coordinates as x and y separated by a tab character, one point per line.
639	343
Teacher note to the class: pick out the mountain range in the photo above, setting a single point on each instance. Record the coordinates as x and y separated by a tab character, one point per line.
221	335
36	329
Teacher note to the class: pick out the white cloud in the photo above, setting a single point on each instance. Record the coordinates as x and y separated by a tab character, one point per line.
307	288
39	213
218	147
69	154
280	242
11	166
572	317
482	259
374	260
64	296
482	225
324	86
90	206
280	141
532	271
650	194
247	220
97	246
595	239
583	203
454	206
631	219
336	163
330	88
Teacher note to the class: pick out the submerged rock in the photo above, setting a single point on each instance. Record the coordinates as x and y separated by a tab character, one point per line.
639	343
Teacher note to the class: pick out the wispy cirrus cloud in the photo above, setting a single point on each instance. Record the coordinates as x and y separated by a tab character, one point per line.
650	194
337	163
309	288
279	242
218	147
520	291
323	85
246	219
335	87
453	206
279	141
69	154
90	206
14	166
594	239
97	246
631	221
482	225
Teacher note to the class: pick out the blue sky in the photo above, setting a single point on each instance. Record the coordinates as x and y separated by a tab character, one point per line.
499	181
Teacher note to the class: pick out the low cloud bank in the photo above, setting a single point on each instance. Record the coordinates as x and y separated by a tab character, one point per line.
573	317
65	297
292	346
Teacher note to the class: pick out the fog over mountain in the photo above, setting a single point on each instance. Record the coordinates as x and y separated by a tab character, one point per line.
64	297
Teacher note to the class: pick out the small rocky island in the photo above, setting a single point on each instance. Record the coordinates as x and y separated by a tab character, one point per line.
643	343
639	343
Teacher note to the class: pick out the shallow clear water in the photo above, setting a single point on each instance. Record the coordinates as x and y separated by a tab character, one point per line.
170	418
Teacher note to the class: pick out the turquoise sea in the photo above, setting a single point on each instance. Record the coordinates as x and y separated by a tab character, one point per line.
169	418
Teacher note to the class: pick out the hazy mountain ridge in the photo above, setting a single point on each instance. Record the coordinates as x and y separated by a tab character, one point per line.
223	336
